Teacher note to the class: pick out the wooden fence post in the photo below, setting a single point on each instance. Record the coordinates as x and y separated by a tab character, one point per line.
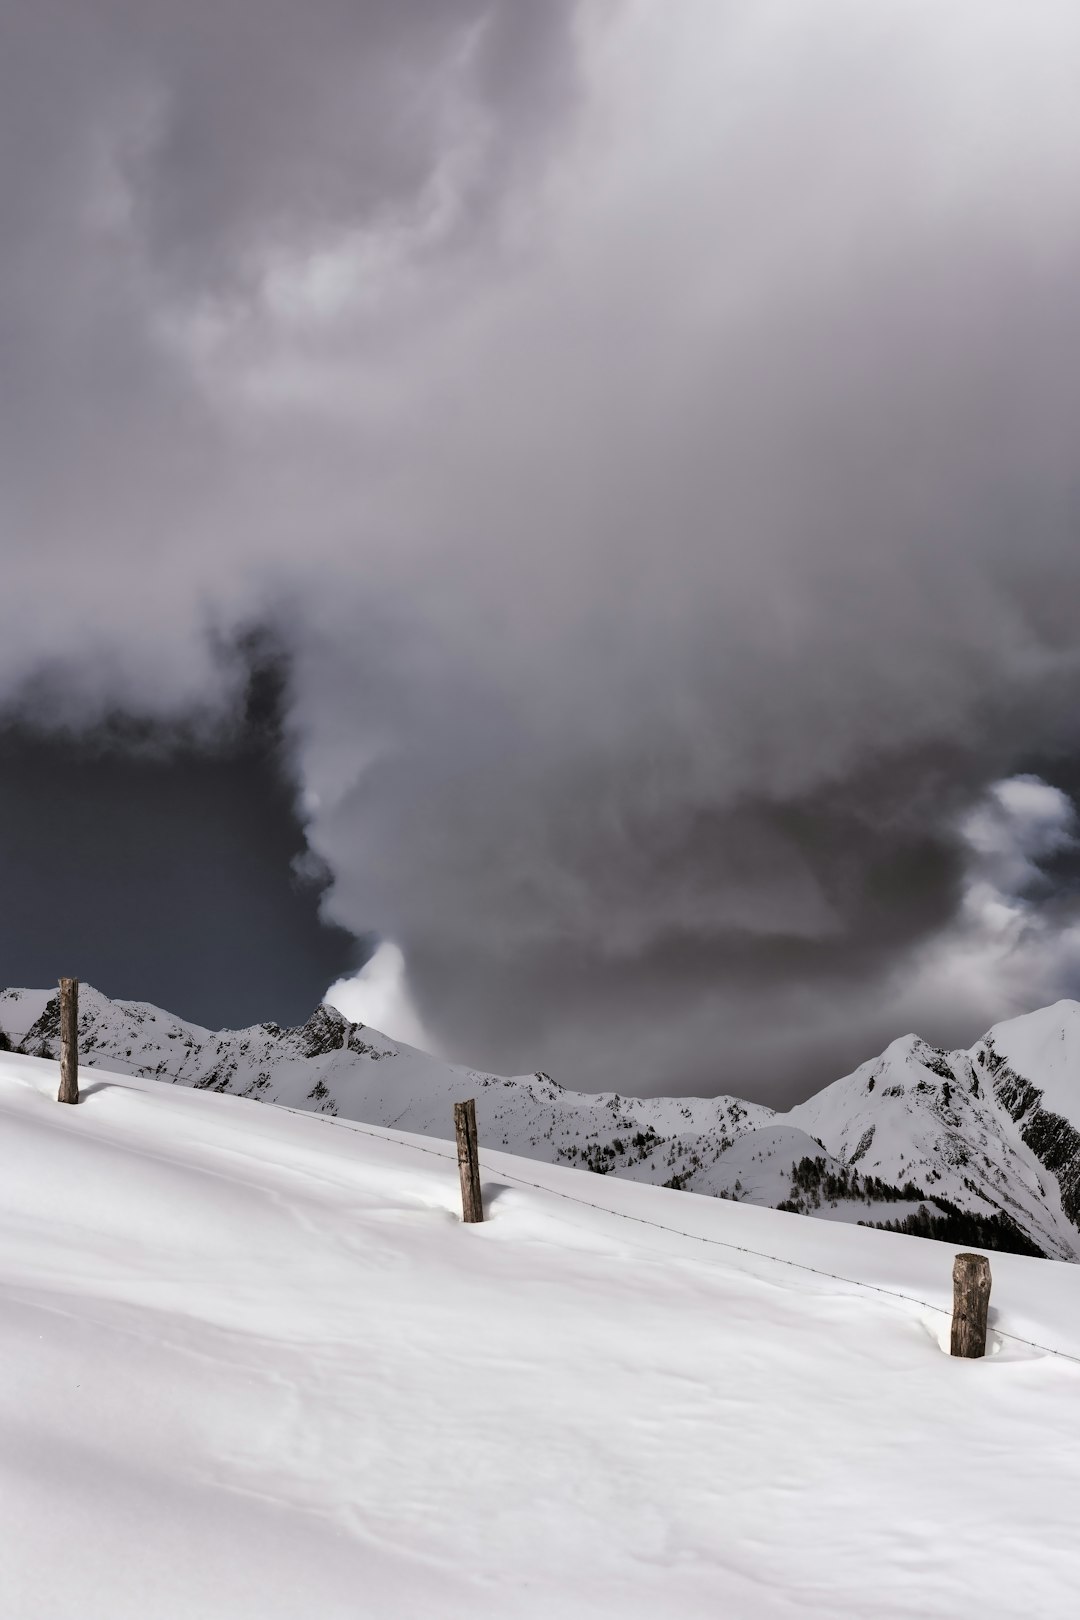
971	1302
69	1041
472	1205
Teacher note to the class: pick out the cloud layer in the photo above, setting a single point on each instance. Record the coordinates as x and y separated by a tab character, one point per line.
654	436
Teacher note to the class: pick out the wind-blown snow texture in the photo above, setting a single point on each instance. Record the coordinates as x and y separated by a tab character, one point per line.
254	1365
993	1133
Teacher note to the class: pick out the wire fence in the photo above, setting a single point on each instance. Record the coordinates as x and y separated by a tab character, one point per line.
70	1094
386	1135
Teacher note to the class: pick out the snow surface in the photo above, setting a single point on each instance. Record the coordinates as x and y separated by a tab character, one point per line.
20	1011
254	1365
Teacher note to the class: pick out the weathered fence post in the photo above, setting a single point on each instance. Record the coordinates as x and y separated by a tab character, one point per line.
69	1041
472	1205
971	1301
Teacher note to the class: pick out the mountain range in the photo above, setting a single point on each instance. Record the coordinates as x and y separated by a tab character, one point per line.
980	1146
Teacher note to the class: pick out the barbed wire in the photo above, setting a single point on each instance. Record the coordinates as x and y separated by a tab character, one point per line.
387	1134
383	1134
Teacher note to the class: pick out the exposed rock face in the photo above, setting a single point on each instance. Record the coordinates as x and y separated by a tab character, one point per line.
1054	1141
325	1031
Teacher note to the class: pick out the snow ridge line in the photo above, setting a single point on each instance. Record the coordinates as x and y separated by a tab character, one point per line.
385	1135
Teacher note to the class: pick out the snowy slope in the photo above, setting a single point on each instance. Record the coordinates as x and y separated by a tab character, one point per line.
992	1134
1034	1067
1045	1047
921	1115
20	1010
254	1366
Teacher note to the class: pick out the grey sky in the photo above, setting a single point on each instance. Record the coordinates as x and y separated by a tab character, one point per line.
652	432
166	864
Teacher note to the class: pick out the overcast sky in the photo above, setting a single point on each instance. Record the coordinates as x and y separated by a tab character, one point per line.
650	432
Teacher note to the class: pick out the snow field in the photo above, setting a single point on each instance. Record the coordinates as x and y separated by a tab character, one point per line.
254	1365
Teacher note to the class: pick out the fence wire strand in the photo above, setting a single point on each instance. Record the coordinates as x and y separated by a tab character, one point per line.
386	1135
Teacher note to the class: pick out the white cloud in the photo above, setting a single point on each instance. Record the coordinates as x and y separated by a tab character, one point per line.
1008	950
379	995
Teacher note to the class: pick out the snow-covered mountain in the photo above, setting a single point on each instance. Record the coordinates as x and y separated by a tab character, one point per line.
981	1147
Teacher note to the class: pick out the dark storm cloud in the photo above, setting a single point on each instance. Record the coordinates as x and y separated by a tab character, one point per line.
237	124
654	434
